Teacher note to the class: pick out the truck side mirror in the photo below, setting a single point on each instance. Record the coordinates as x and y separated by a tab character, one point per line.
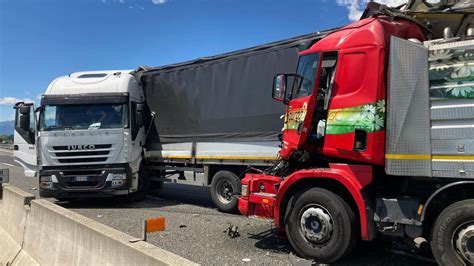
24	121
25	109
24	116
279	87
140	109
139	119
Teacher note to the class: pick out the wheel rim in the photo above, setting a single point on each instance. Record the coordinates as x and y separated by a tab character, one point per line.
224	191
316	224
463	241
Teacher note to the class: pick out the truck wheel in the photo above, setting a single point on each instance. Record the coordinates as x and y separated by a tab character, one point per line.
223	185
452	237
321	226
142	189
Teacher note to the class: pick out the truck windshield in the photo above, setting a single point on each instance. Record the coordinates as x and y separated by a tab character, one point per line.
91	116
306	75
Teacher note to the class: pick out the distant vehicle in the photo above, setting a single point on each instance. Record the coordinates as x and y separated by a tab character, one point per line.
107	133
378	137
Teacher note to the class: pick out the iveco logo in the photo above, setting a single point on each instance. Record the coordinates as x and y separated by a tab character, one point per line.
81	147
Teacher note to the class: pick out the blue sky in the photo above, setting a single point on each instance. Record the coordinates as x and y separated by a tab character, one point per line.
41	40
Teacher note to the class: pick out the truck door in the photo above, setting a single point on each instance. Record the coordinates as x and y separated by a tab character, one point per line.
24	138
306	115
301	103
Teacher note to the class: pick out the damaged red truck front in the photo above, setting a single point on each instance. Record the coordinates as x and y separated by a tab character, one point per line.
377	136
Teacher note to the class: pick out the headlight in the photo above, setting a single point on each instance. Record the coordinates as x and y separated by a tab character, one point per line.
117	183
119	177
119	180
46	181
46	178
245	190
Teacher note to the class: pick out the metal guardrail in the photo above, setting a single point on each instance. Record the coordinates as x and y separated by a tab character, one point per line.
6	146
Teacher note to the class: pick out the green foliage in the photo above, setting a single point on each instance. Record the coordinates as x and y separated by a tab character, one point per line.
6	139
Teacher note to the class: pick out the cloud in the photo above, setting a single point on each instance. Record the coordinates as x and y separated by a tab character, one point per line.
13	100
356	7
159	2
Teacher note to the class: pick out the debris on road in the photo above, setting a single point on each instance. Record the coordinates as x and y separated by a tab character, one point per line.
232	231
246	260
34	188
100	215
183	226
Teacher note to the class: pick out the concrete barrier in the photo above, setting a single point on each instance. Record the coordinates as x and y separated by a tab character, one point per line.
47	234
6	146
14	208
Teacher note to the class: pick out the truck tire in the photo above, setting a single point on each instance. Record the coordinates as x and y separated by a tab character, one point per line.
321	226
143	187
452	236
223	185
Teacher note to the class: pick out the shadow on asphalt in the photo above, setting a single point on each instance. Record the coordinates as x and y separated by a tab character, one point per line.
187	194
171	194
377	252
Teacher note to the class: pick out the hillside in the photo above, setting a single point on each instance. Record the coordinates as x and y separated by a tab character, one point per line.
6	127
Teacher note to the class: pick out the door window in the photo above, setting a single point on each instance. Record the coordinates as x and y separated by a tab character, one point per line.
306	75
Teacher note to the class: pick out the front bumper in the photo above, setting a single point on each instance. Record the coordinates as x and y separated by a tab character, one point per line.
260	198
244	205
96	181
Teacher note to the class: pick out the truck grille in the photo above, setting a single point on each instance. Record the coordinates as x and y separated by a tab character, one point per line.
100	153
86	172
82	184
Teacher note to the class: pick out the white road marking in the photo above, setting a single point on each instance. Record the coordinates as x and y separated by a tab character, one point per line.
8	164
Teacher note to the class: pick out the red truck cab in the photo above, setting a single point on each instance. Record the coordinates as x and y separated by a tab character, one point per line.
333	138
349	68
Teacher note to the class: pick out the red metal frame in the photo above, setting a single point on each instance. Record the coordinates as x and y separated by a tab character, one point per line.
353	177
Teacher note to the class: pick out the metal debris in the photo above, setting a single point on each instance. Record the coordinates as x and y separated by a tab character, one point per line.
232	231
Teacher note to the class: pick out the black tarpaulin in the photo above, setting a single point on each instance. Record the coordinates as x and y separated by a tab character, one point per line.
221	98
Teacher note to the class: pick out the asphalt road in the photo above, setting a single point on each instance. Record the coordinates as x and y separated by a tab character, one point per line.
195	229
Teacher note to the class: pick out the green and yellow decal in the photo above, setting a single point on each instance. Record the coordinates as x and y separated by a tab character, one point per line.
294	117
369	117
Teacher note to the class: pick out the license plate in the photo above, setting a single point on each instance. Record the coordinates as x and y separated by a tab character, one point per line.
81	178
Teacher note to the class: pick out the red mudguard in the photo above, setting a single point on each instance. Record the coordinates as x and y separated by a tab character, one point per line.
265	193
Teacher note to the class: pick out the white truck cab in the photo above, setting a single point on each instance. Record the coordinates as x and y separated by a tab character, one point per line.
86	138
